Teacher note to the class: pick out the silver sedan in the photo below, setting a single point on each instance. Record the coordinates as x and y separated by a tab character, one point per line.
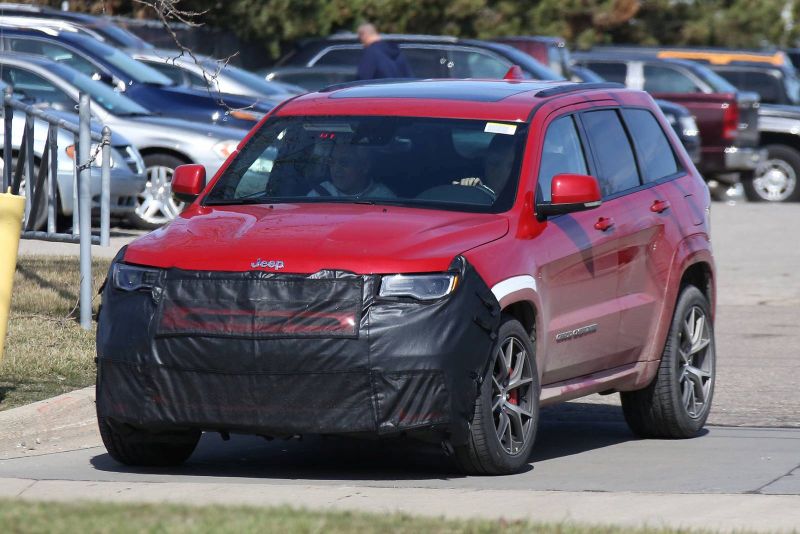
164	143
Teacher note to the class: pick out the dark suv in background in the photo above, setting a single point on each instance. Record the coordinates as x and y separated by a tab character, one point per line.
727	118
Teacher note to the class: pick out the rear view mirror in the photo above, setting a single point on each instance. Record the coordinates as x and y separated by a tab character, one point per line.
570	193
188	182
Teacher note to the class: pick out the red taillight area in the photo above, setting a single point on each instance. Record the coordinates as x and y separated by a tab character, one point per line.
177	319
730	121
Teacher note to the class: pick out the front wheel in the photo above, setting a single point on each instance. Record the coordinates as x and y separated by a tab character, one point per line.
677	402
775	179
507	409
140	448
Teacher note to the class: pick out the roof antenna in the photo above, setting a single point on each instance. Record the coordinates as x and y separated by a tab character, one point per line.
514	73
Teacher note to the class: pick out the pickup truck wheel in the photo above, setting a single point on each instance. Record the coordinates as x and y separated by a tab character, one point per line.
776	178
155	206
507	409
138	447
677	401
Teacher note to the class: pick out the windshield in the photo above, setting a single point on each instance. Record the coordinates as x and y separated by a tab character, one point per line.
101	94
717	82
465	165
134	70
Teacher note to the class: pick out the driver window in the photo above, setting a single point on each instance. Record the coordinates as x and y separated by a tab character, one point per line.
31	86
562	153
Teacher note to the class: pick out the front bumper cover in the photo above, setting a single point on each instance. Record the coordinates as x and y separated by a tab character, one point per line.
281	354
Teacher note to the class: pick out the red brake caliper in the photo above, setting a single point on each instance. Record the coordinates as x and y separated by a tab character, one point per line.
513	395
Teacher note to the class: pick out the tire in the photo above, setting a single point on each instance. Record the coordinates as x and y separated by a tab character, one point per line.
155	206
671	407
776	178
40	219
486	453
140	448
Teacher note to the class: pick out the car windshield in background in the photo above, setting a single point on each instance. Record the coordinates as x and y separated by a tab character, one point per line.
717	82
466	165
135	70
101	94
248	79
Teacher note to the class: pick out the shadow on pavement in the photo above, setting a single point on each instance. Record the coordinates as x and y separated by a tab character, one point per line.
564	430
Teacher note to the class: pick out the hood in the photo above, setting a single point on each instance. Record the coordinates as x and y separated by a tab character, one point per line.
776	110
307	238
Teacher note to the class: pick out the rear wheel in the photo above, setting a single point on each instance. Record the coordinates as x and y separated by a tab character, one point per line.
677	402
507	409
775	179
155	206
138	447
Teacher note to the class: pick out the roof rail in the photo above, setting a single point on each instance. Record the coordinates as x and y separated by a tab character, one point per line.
568	88
357	83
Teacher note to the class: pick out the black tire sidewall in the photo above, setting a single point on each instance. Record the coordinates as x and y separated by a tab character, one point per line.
670	363
505	462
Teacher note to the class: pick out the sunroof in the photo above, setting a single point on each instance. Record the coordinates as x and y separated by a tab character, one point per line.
462	90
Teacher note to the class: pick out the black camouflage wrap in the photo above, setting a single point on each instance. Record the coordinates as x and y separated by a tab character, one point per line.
174	356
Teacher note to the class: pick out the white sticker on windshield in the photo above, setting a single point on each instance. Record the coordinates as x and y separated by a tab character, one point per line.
500	128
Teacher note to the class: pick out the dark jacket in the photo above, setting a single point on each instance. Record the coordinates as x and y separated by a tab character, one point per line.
383	60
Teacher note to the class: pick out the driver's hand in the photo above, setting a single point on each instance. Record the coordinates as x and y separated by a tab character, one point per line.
471	181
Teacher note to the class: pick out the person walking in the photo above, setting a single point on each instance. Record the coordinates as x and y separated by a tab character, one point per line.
380	59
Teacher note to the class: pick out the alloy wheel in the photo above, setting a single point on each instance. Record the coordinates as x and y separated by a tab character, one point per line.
775	180
155	204
696	365
512	395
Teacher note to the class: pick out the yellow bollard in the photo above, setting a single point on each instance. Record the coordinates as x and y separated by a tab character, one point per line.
12	209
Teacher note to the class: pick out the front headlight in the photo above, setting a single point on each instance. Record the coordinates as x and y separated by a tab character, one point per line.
419	286
223	149
132	278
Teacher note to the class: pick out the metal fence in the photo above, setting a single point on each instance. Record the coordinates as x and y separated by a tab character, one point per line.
41	186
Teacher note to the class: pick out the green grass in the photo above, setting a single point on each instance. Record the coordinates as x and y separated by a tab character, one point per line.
90	517
47	353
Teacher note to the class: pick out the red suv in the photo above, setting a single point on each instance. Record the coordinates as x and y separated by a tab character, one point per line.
430	258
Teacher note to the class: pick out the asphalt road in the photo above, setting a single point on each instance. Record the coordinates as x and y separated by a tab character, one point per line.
742	472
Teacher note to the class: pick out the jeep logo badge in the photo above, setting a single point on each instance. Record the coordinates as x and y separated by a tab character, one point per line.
267	264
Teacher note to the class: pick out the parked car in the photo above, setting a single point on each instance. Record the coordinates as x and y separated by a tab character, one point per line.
127	168
773	77
164	143
727	118
97	27
429	56
550	51
138	81
310	78
519	249
682	121
209	74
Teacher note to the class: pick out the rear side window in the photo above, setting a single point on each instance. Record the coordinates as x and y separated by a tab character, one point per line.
656	158
473	64
562	153
611	72
52	51
667	80
616	166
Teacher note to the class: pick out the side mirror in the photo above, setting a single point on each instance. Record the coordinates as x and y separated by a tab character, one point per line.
570	193
188	182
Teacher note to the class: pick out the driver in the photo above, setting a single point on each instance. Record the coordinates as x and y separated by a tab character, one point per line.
497	166
350	171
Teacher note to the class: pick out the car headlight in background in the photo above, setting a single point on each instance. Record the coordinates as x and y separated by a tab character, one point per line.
419	286
96	162
246	115
223	149
132	278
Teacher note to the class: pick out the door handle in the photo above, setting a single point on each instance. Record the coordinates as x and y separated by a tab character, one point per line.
604	223
659	206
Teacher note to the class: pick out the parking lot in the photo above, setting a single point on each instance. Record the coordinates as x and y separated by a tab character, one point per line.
750	449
